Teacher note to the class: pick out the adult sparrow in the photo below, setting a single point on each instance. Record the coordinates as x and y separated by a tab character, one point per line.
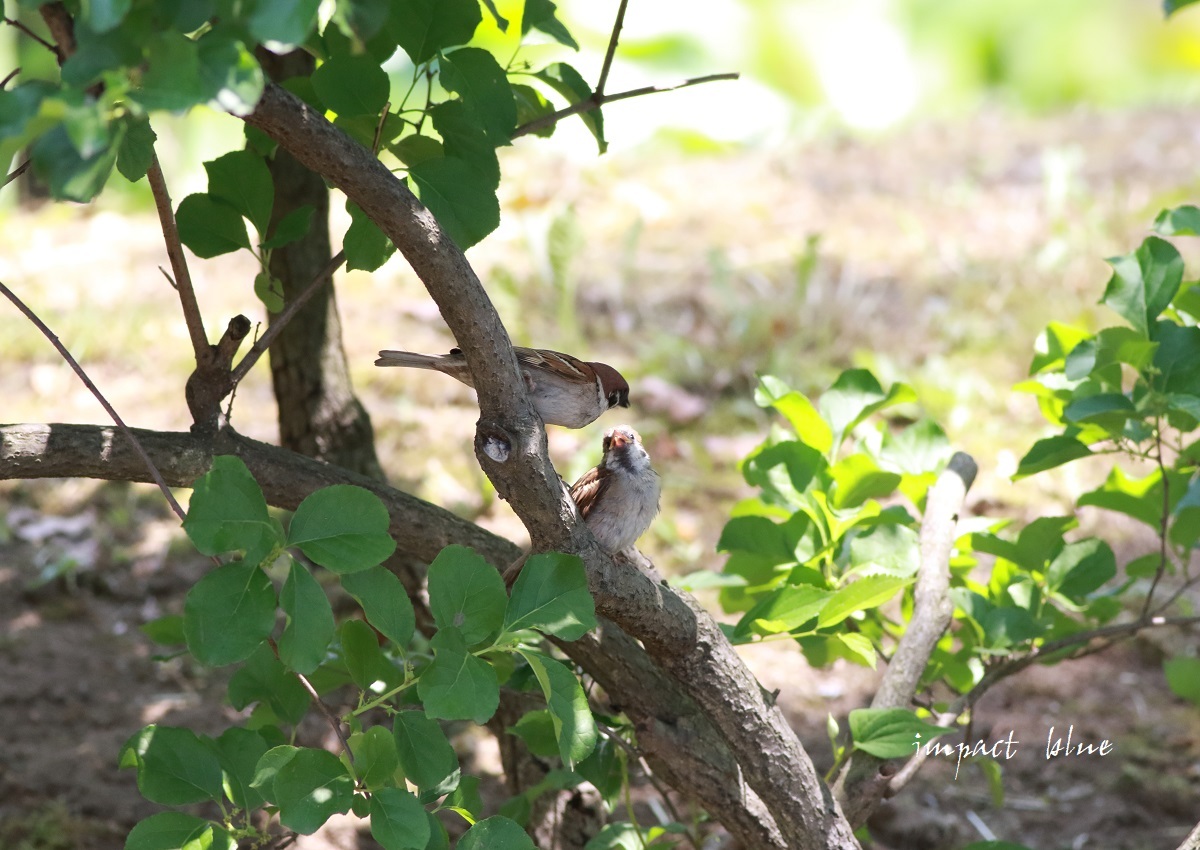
564	390
619	497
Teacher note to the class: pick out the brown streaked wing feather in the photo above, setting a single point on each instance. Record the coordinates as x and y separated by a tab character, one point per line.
564	365
589	488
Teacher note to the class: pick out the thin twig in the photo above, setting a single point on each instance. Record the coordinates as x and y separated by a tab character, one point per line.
379	127
17	172
632	752
87	382
329	716
595	102
170	279
1162	523
277	324
612	48
183	279
31	34
9	77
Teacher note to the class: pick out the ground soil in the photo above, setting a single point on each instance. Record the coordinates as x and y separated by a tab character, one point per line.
82	564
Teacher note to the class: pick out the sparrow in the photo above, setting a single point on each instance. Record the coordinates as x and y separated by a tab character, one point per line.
618	498
564	390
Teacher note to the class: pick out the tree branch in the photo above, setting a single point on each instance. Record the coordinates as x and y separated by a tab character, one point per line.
863	781
183	278
681	637
612	48
596	101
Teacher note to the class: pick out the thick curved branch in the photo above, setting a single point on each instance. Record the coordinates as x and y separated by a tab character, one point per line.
678	634
864	780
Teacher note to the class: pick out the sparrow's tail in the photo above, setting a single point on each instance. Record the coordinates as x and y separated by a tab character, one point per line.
410	359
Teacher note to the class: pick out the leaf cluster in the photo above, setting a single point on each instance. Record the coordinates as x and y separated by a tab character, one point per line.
265	607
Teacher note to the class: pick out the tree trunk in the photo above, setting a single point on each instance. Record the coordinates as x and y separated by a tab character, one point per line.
319	415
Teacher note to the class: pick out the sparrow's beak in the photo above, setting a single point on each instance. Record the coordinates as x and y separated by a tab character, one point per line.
618	441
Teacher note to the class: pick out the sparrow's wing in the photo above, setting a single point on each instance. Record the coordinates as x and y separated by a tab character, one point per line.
564	365
589	489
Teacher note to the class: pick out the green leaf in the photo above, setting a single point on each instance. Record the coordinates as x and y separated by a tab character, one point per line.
1049	453
1081	568
305	639
264	679
269	290
857	647
783	470
312	787
70	176
459	196
1109	410
227	511
238	751
352	85
496	833
172	79
398	820
1172	6
228	613
210	227
574	726
540	14
416	148
856	479
921	447
891	733
474	75
868	592
537	730
365	245
1140	498
854	396
136	149
1053	345
174	767
103	15
463	137
292	227
364	658
457	685
385	602
423	27
532	105
175	830
1179	221
268	767
567	81
797	409
605	768
1004	628
890	550
551	595
1177	358
467	593
758	535
1183	676
1185	518
283	25
241	179
1042	540
783	610
425	755
343	528
375	759
232	78
1144	282
167	631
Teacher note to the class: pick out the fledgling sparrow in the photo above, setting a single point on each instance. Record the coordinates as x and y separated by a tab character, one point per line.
564	390
618	498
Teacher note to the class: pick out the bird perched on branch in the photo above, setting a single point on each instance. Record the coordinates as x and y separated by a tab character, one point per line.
564	390
618	498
